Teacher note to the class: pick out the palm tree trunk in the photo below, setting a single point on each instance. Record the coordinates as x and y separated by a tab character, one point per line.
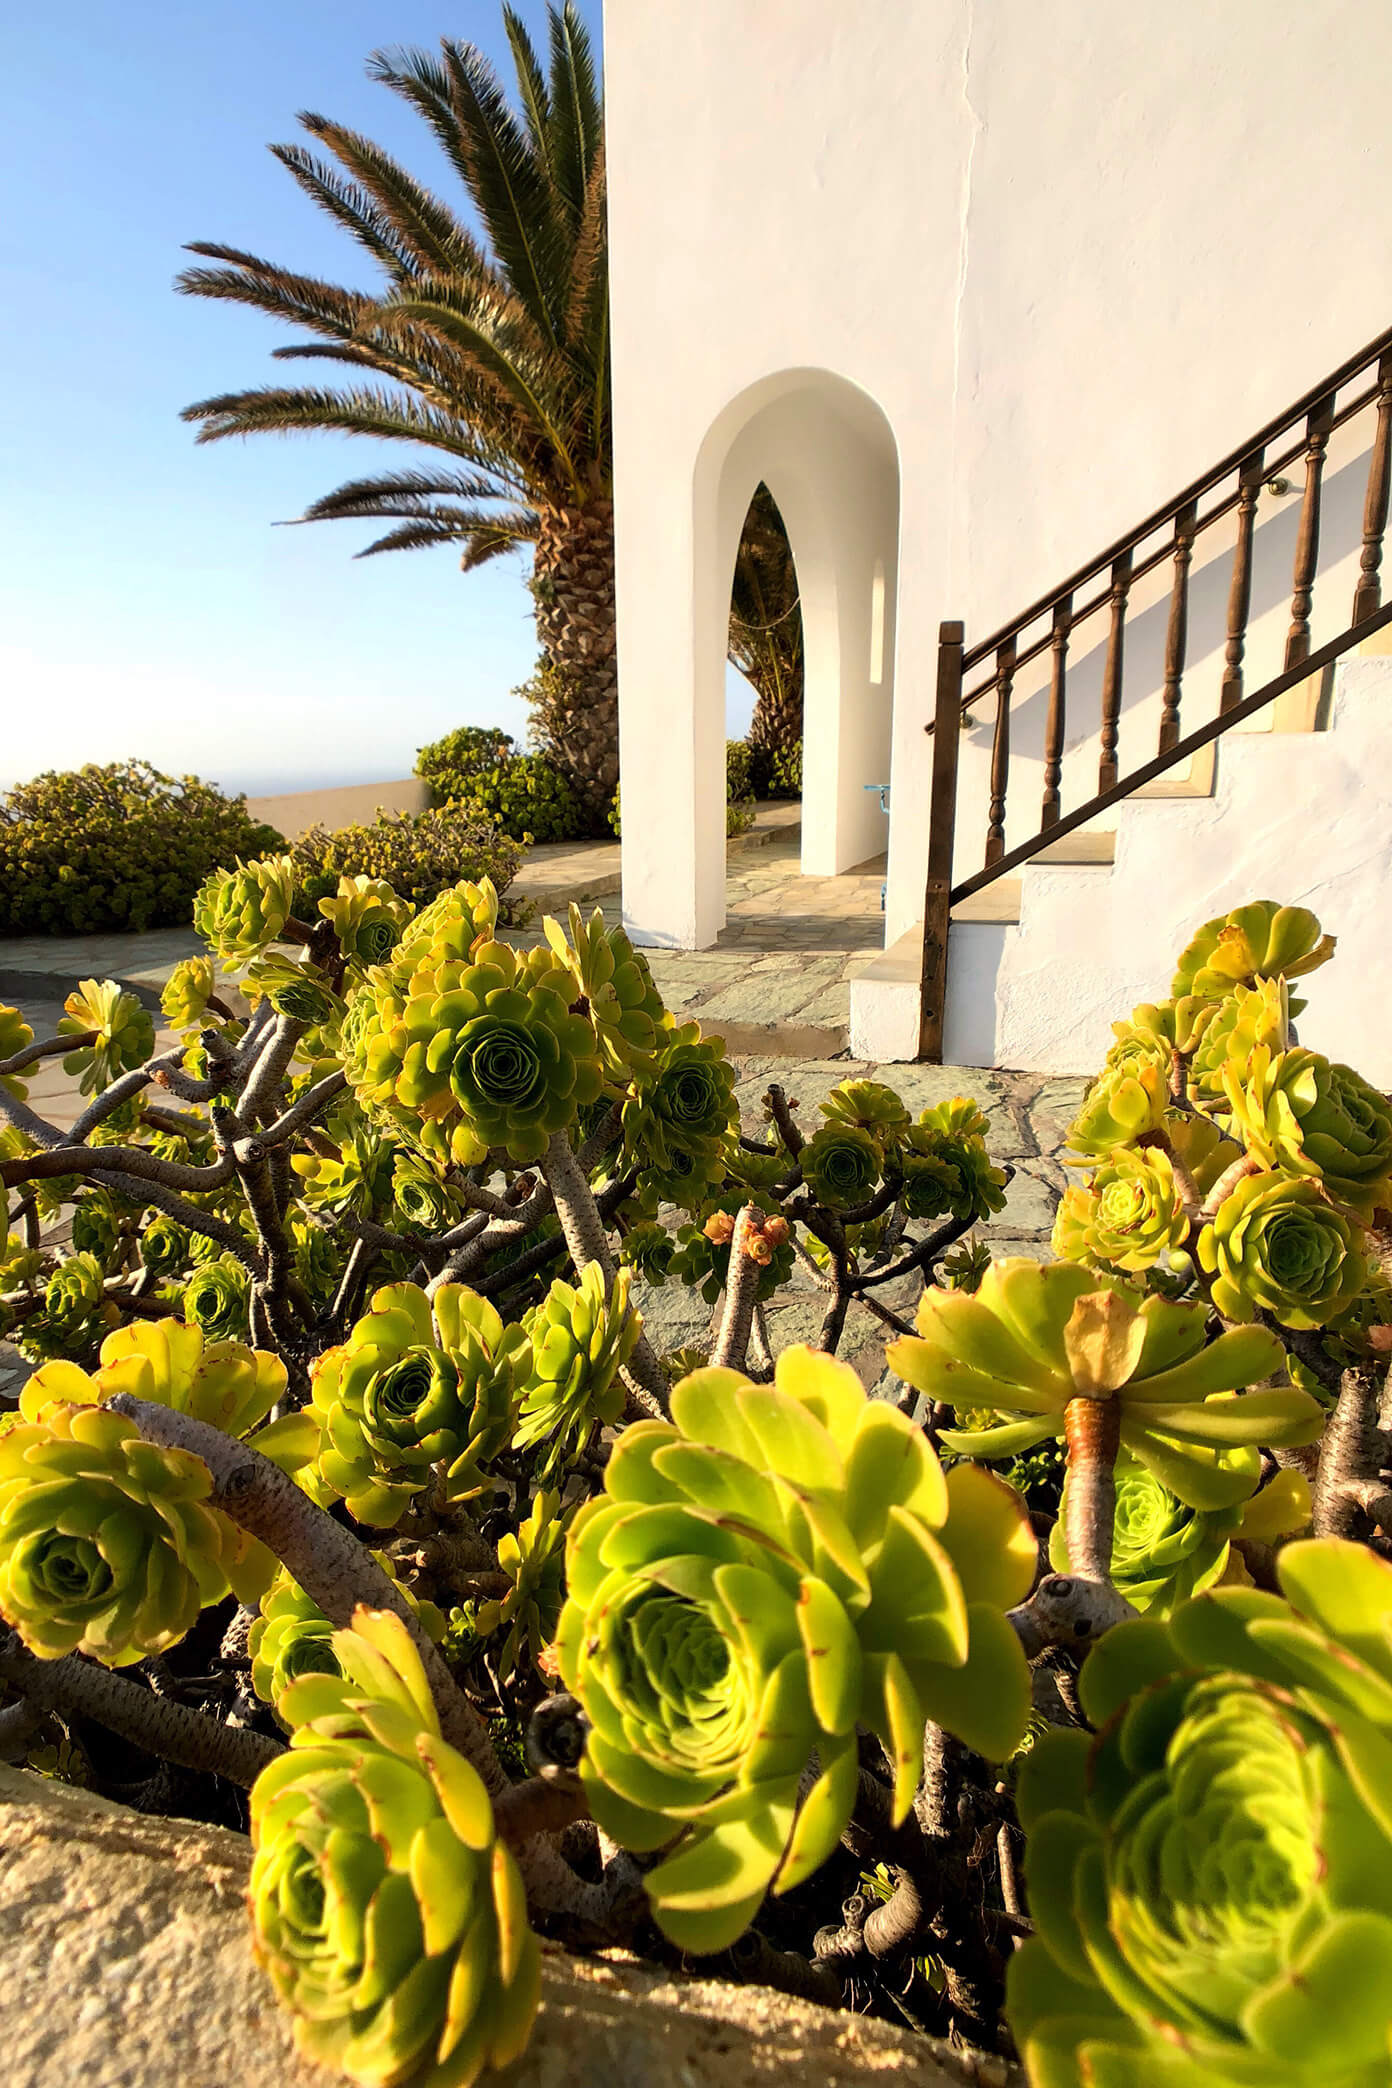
777	720
573	586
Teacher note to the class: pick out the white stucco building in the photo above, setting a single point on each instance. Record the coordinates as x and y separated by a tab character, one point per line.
974	286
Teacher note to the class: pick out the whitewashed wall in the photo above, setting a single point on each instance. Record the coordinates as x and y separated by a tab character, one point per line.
1056	257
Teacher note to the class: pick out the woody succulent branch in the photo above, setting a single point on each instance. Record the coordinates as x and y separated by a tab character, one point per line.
350	1473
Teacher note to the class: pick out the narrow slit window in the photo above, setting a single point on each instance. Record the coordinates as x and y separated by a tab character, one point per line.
877	624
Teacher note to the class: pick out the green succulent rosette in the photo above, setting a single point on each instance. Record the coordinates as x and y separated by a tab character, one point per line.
1125	1103
946	1168
1209	1871
841	1165
1297	1110
15	1036
185	995
679	1115
164	1245
360	1179
420	1383
1129	1215
317	1259
1036	1336
1276	1244
581	1336
868	1105
239	912
125	1035
96	1225
1155	1030
778	1565
108	1544
19	1262
1263	940
622	1001
648	1248
1162	1551
217	1298
73	1294
422	1199
1251	1015
469	1057
290	1635
534	1562
391	1921
368	918
297	991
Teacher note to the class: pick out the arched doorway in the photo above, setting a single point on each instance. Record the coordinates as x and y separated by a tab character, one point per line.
827	454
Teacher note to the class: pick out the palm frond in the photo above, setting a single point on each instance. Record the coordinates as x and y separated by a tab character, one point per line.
248	280
577	123
349	205
429	236
531	83
399	493
587	295
275	410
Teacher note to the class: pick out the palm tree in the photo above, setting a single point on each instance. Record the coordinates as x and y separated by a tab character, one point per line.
765	641
491	355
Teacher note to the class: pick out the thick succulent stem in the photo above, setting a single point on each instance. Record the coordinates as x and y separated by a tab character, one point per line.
157	1723
330	1564
587	1241
759	1962
741	1292
1068	1612
1347	1487
1093	1431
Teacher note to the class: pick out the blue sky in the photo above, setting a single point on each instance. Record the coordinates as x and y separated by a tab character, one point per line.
147	605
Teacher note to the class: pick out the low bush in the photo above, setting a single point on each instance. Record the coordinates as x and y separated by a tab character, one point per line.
115	847
449	764
418	854
527	796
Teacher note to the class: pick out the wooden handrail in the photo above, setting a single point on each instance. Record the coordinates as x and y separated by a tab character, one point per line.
1317	415
1263	439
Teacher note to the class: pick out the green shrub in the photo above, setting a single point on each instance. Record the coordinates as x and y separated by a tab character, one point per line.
419	854
115	847
450	764
785	774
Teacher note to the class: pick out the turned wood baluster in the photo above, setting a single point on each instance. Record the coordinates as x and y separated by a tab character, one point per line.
1111	673
1307	538
1053	731
1368	595
1249	485
942	819
1177	633
1000	753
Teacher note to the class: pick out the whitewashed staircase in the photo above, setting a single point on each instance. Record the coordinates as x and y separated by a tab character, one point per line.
1040	965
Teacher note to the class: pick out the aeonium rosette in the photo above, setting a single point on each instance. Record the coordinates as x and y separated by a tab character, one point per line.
776	1566
1209	1870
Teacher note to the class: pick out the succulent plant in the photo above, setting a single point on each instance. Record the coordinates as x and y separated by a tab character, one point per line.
96	1225
534	1562
228	1386
581	1336
368	918
392	1923
15	1036
294	989
73	1295
360	1179
125	1035
870	1106
217	1298
291	1636
678	1115
622	1002
1129	1215
1250	1015
702	1251
239	912
1155	1030
422	1198
1208	1871
420	1382
1162	1551
19	1263
470	1056
946	1166
1124	1104
107	1543
187	991
1037	1336
1276	1244
1263	940
1296	1110
778	1565
841	1165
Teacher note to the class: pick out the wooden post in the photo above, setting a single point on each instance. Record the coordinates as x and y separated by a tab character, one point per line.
1177	631
1249	485
1307	541
1053	731
1000	753
1111	673
1368	597
942	820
